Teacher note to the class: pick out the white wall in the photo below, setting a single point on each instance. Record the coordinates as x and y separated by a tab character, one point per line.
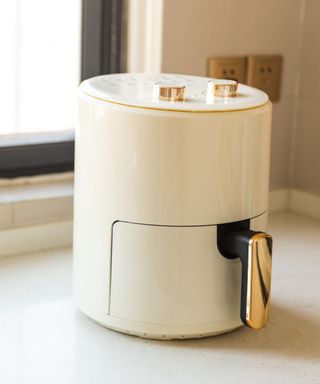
182	34
196	29
306	160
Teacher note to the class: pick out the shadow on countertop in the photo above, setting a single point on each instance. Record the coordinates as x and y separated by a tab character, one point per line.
289	334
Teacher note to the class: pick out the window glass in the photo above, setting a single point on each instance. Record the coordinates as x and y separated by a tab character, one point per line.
40	64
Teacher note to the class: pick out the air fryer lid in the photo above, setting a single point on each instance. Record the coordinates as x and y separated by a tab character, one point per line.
186	93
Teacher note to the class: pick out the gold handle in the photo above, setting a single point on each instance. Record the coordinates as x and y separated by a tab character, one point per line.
258	281
255	252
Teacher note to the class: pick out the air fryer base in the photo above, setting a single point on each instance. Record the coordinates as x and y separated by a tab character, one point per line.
163	331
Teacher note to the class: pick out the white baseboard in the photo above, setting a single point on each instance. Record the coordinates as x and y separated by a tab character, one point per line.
304	203
294	200
279	200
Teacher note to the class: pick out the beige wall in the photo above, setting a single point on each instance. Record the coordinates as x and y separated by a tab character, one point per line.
196	29
306	168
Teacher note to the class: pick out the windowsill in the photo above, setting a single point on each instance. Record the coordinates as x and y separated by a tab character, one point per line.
36	200
36	213
34	138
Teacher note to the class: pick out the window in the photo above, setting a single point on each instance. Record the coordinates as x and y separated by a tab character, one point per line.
47	48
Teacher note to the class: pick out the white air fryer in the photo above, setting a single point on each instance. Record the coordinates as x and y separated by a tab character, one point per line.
171	200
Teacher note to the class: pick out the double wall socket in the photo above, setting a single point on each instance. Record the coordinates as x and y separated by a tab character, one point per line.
264	72
232	68
259	71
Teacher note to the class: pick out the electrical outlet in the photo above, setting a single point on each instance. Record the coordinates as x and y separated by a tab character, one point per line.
264	72
232	68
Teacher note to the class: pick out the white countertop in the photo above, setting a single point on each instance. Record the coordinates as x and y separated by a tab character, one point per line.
44	339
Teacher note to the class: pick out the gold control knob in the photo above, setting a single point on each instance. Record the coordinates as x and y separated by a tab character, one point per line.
222	88
169	92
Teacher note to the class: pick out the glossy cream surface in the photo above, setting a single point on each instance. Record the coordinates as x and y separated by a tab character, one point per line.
163	171
139	90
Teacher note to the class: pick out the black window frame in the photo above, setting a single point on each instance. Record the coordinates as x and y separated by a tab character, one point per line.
103	49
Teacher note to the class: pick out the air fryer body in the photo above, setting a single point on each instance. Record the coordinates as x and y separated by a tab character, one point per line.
151	187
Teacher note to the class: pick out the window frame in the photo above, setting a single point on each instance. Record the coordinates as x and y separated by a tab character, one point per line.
103	47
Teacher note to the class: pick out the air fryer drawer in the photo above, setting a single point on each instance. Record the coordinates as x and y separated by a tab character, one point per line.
172	275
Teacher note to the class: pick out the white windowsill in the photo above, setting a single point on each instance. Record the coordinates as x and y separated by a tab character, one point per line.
27	138
35	213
